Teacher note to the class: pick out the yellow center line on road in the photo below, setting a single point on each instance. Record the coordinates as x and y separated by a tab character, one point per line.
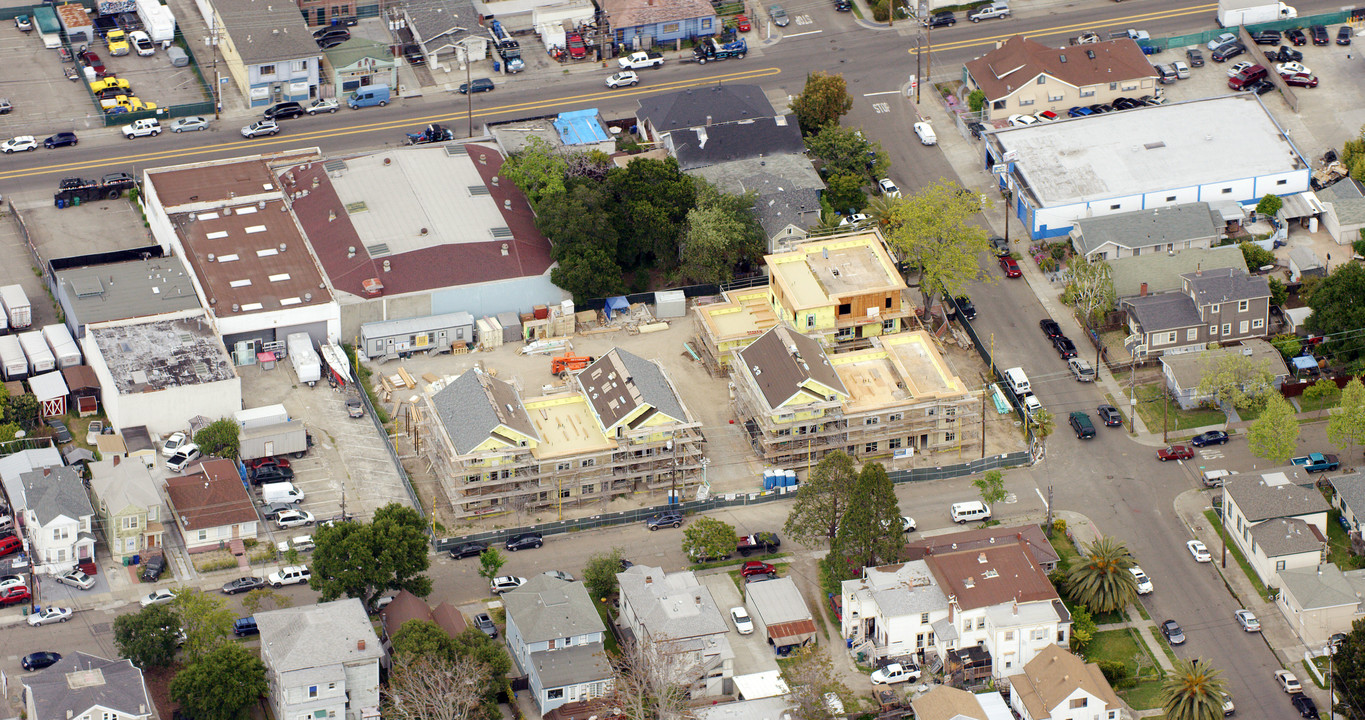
1143	17
255	146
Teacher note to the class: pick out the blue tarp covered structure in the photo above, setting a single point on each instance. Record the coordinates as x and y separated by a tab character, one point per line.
581	127
617	305
1305	362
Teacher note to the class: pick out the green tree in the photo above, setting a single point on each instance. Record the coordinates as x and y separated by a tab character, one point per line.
651	202
824	100
810	675
1257	256
490	562
1338	312
590	272
362	560
1318	393
1288	345
991	486
845	151
224	685
1269	205
1348	671
1194	691
1279	294
1083	629
22	409
869	533
538	170
1041	423
1100	580
821	501
933	231
219	438
709	538
147	637
1232	378
264	599
709	242
206	619
492	655
1346	427
1091	288
976	101
599	573
1275	434
845	192
422	638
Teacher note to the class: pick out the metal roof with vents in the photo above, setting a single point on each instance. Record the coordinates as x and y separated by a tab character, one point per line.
125	290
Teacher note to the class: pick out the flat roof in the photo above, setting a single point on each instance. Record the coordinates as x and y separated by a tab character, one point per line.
132	289
567	426
250	258
815	274
897	369
1149	149
211	183
163	354
745	313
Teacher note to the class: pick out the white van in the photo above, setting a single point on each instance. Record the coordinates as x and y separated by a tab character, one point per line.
281	492
1017	381
970	510
1031	404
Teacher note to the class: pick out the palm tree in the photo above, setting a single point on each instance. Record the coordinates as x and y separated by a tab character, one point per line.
1041	423
880	209
1193	691
1100	579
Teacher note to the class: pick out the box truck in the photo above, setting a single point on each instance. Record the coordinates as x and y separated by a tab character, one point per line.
13	361
304	358
17	307
40	358
1232	13
63	346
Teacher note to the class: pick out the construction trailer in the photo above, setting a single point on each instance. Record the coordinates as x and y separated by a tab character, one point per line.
303	357
389	339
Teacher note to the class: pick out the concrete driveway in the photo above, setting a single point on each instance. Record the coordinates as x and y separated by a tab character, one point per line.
752	653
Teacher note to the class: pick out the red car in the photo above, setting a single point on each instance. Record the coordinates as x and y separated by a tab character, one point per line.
93	61
1010	267
757	567
577	50
1175	452
267	462
742	23
14	596
1301	80
9	545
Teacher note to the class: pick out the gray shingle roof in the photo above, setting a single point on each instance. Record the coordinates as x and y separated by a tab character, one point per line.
320	635
571	666
60	492
1161	272
1188	368
780	374
1169	311
787	187
81	682
1145	228
440	23
1225	285
473	405
266	31
619	382
1347	199
708	105
902	589
124	484
1259	501
1351	490
1286	536
703	146
672	606
1318	587
547	608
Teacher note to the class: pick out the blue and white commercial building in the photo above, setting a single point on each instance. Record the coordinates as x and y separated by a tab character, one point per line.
1221	151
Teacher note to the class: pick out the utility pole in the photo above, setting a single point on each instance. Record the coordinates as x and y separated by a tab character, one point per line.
1165	414
1049	511
919	78
217	82
1132	396
983	419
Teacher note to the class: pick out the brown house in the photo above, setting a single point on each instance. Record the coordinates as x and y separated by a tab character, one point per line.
212	506
1022	76
1213	306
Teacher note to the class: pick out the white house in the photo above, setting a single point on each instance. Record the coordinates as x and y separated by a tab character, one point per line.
555	636
1319	602
892	610
1057	685
321	661
86	687
1185	371
57	517
678	613
1277	524
269	53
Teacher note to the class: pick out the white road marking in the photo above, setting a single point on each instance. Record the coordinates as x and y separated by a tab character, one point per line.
888	92
804	20
881	107
1040	495
797	35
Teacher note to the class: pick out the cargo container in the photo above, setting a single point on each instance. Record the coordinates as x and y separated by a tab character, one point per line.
13	361
304	358
40	358
286	438
17	307
63	346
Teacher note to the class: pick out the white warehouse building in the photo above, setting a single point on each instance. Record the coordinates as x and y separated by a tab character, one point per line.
1221	151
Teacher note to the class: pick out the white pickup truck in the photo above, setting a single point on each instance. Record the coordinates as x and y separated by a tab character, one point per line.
146	126
639	60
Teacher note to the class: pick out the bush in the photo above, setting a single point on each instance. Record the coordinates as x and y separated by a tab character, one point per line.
881	11
977	101
1059	526
1114	671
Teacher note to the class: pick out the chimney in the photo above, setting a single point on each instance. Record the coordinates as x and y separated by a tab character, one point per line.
1143	291
708	117
360	644
116	459
649	579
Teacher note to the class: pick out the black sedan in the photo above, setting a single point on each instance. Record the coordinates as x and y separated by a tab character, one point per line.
39	660
1344	38
242	584
1287	54
271	474
1212	437
1319	33
1050	328
524	542
1296	36
1305	705
1110	415
464	550
478	86
965	306
942	19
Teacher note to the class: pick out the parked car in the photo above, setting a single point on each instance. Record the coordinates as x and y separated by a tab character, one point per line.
160	596
624	78
1344	35
76	578
888	188
1050	328
1212	437
23	23
20	143
1227	52
142	43
270	461
1174	635
293	518
1175	452
1293	68
1286	54
1296	36
259	128
1287	681
1079	112
757	567
241	627
965	306
193	123
1065	348
284	111
778	15
1266	37
9	581
484	622
60	433
39	660
1222	40
1081	424
743	623
323	105
1144	583
668	519
289	575
1248	621
48	615
173	443
9	545
270	474
1198	551
1182	70
524	542
1195	57
464	550
1319	34
1011	267
1237	68
61	139
1308	81
894	673
1109	415
559	575
1305	705
187	454
478	86
242	584
503	583
153	567
944	18
1022	120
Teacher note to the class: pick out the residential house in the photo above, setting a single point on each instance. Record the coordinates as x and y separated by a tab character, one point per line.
1156	273
678	615
1030	535
87	687
1303	262
1276	523
893	610
1147	232
944	702
619	428
447	31
360	62
556	636
1185	371
779	612
840	288
212	507
56	515
707	106
1022	76
1213	306
1344	214
405	606
1061	172
732	324
642	24
1056	685
1348	496
321	661
1319	602
18	463
128	506
268	51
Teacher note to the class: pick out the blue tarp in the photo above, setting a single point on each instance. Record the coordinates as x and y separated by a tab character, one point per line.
1305	362
617	304
581	127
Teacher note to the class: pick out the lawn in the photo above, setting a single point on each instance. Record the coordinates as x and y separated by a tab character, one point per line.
608	638
1236	554
1339	545
1151	406
1146	695
1124	646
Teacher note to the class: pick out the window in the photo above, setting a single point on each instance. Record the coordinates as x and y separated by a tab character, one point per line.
671	28
1023	102
980	624
1227	328
1242	327
950	411
1281	182
1061	636
1192	334
949	436
895	417
1042	79
706	24
1170	198
889	326
588	463
563	494
331	686
810	321
1213	329
1214	308
919	640
203	534
1243	305
312	691
1039	634
870	447
267	69
1257	324
1170	337
588	489
1055	98
130	523
563	466
1078	703
893	444
924	618
871	420
1009	636
298	66
1088	93
1279	564
1113	86
1115	207
845	308
1227	191
998	105
60	533
556	694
